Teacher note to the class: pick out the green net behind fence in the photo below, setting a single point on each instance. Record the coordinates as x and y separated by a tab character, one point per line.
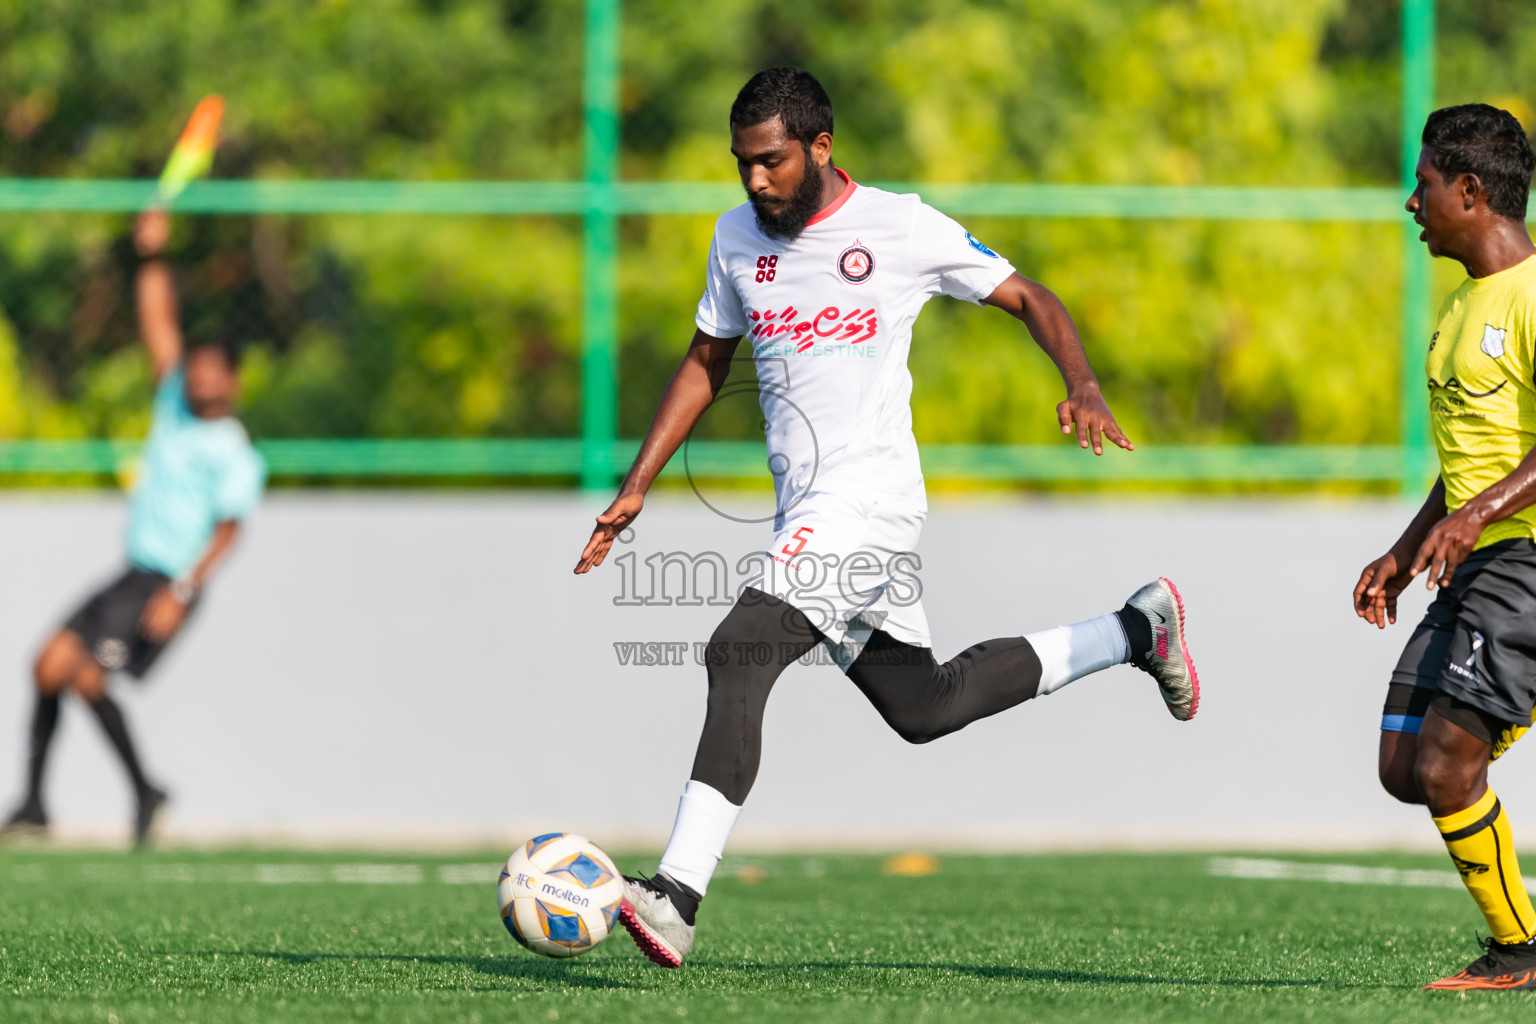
1256	312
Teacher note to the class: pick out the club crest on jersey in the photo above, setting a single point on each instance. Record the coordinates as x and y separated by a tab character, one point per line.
1493	340
976	244
856	264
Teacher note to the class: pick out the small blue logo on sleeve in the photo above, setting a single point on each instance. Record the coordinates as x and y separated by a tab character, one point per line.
979	247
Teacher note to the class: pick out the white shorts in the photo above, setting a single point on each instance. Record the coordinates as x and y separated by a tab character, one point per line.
851	566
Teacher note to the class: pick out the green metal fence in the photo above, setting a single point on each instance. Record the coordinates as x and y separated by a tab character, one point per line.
598	455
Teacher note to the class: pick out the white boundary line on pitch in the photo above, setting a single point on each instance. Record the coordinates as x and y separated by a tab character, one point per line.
273	874
300	873
1258	868
1344	874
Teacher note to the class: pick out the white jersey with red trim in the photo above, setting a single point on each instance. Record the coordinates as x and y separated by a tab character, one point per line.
829	316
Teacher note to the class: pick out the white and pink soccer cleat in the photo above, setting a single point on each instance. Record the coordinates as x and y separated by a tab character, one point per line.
1168	661
654	921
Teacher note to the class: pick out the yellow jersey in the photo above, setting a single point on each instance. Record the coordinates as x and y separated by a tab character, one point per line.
1482	389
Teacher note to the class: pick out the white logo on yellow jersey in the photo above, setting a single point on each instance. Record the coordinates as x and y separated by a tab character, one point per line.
1493	340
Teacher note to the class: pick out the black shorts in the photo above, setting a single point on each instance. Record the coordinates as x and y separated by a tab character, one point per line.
1473	656
108	622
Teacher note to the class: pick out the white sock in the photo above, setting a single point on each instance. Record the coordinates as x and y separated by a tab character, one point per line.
1071	652
704	822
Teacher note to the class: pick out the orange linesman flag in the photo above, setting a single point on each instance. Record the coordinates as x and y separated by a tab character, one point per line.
193	156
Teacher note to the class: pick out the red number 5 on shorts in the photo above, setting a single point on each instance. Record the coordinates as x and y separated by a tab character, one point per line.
802	537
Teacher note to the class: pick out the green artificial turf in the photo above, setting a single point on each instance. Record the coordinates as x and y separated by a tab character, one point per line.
298	937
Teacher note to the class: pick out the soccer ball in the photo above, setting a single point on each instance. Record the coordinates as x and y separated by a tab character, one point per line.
559	894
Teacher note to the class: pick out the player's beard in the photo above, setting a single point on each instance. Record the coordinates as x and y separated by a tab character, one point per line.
804	203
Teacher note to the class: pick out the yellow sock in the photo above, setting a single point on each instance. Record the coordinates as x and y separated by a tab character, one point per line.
1483	850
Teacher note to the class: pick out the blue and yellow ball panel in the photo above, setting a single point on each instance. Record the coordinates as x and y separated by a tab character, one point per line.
582	870
537	843
562	927
510	920
611	912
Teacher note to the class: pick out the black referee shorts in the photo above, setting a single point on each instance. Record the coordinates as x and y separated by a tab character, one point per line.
108	622
1473	656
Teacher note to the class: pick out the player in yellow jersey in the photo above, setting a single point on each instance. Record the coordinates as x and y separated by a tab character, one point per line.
1466	683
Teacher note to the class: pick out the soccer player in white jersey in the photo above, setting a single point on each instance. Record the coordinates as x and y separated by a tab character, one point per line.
198	478
823	277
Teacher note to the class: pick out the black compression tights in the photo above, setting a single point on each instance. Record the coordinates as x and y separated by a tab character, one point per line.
919	698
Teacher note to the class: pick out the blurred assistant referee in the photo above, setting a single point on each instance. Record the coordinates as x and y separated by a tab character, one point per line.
198	479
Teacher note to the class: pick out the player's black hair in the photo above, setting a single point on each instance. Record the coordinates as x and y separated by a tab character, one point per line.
791	94
226	347
1475	138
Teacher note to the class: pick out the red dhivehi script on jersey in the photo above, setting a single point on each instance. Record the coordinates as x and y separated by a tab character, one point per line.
831	324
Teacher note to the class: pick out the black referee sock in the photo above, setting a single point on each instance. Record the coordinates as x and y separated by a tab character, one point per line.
111	718
1138	630
45	721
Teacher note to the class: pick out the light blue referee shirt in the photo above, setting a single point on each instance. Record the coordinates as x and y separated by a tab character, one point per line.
195	474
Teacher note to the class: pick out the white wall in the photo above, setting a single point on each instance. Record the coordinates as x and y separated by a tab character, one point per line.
419	668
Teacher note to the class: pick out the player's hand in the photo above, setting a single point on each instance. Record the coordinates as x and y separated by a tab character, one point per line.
1086	411
163	616
1376	593
623	511
151	231
1447	546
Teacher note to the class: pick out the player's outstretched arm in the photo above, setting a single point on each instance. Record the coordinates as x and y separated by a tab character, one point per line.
1052	328
697	380
167	609
1385	578
155	293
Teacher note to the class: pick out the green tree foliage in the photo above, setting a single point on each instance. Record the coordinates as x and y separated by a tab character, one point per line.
392	326
381	326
